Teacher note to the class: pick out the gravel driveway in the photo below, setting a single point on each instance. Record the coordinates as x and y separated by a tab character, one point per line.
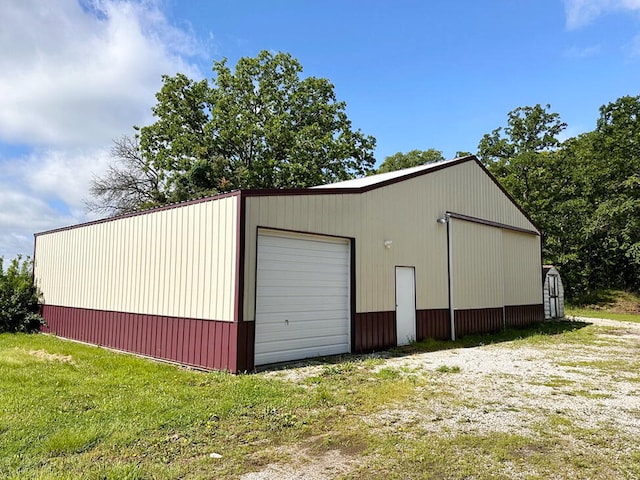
510	387
504	388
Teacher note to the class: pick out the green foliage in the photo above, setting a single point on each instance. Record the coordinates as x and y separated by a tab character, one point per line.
584	193
259	126
413	158
521	160
18	297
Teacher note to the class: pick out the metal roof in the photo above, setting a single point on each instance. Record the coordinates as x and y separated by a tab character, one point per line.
383	177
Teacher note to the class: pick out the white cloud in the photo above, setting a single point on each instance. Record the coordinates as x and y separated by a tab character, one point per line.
21	215
45	190
74	75
581	13
65	175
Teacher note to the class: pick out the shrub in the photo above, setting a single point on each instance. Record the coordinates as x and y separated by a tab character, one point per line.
18	297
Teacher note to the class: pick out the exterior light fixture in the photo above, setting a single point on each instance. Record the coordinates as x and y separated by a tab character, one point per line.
387	243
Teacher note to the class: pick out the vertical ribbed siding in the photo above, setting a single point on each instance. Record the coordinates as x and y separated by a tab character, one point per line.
374	331
481	320
523	315
521	261
176	262
433	324
477	265
205	344
404	213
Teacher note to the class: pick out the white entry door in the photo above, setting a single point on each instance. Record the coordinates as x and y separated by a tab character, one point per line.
405	305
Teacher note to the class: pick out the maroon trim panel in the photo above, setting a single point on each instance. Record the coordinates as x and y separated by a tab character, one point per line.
523	315
238	308
377	330
479	320
433	324
208	344
374	331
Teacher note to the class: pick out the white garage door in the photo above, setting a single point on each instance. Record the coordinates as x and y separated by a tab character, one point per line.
302	297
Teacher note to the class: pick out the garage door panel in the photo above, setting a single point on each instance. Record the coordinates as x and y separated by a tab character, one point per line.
299	353
308	294
274	305
320	345
319	266
303	335
326	316
280	273
306	282
270	350
284	254
310	323
291	340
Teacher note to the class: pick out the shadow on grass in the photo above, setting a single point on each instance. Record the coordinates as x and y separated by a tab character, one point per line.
549	327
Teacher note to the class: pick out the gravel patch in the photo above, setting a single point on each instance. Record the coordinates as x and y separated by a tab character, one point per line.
502	388
328	465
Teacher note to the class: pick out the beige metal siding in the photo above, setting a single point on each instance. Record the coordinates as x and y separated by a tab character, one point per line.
521	260
477	265
175	262
403	212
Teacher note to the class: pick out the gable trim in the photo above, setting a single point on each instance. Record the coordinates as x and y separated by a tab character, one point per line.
490	223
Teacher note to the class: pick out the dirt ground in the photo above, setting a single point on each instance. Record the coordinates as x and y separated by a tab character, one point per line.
503	388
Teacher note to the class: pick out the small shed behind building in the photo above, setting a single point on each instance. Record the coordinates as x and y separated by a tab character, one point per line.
553	292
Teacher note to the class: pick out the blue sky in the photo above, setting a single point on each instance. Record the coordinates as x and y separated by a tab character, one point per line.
74	75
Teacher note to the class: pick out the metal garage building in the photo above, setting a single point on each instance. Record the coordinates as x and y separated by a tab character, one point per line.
261	276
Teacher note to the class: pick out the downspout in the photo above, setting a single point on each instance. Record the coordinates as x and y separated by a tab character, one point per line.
452	317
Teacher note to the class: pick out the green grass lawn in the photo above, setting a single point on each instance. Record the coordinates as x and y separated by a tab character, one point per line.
611	304
592	313
75	411
71	411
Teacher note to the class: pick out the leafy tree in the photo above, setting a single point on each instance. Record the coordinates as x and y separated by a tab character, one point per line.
615	193
462	153
260	126
564	213
413	158
18	297
520	159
